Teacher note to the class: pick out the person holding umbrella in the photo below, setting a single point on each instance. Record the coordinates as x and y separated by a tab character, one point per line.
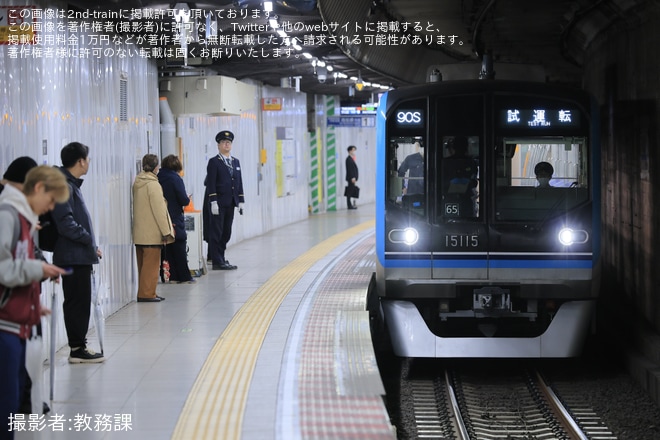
76	248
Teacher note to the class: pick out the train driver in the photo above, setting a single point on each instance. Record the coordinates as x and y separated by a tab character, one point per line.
544	172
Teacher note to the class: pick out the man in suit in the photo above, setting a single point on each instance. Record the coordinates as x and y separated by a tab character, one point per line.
224	186
351	176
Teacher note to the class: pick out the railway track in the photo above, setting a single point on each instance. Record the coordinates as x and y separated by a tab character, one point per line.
520	405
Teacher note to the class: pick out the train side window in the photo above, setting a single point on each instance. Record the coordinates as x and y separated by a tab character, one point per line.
459	177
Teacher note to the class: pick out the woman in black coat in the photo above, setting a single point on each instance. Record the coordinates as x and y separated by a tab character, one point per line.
177	198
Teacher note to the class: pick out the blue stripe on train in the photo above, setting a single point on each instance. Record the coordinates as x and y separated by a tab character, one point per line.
422	262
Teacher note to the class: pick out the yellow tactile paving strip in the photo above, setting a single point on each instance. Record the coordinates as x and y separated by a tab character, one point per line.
216	403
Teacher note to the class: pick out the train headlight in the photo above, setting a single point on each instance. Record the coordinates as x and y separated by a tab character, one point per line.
568	236
410	236
407	236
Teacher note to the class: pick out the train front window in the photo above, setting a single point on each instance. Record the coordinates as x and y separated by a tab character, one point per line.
459	177
540	177
406	185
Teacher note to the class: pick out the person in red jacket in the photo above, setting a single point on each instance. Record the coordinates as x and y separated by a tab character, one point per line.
21	273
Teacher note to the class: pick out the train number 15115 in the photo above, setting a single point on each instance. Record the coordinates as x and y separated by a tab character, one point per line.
461	240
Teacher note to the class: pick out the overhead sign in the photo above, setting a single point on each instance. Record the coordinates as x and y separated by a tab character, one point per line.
271	104
351	121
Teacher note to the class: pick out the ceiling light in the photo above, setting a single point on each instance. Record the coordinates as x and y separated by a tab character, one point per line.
359	84
268	6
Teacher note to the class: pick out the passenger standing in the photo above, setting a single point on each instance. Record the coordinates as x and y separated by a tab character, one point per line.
16	172
224	186
21	273
152	228
13	179
413	164
76	248
351	177
175	194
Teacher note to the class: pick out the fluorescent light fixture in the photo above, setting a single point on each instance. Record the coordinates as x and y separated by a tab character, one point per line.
307	55
268	6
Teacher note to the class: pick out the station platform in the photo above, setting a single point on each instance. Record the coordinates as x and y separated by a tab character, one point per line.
278	349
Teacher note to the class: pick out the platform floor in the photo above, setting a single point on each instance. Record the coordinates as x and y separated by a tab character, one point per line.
254	353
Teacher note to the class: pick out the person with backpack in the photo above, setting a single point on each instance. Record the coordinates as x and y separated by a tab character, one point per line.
21	273
76	248
13	178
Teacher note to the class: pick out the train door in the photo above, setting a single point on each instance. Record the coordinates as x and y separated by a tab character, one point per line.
461	240
406	235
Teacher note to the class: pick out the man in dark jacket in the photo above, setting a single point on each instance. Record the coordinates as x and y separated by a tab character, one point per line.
224	186
351	177
76	248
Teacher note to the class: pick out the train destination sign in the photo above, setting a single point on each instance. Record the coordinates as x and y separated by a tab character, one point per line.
409	118
540	117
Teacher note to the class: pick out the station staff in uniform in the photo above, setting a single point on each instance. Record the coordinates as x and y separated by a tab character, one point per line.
224	187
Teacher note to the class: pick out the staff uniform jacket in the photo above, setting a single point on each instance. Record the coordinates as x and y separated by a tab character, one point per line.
20	272
151	221
414	165
221	185
175	194
75	244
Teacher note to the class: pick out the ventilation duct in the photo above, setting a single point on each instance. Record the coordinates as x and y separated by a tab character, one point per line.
167	129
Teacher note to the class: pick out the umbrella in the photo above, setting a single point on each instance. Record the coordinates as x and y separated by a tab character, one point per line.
53	333
34	363
97	305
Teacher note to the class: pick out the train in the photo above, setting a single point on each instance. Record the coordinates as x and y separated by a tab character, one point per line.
476	255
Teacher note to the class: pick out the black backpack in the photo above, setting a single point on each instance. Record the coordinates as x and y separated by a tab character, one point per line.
48	233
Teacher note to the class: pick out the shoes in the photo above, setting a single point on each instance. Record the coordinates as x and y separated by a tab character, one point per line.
352	207
151	300
85	356
224	266
184	282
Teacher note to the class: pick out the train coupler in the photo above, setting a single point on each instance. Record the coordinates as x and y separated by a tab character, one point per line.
491	298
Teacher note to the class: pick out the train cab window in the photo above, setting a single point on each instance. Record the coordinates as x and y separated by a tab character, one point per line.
539	178
459	177
406	184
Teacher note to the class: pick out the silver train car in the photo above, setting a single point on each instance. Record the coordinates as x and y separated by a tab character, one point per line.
487	219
